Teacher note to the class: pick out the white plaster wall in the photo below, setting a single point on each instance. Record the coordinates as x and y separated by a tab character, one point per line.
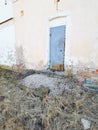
32	30
7	34
6	11
7	44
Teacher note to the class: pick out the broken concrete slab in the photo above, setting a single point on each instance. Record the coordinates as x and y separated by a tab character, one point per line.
55	84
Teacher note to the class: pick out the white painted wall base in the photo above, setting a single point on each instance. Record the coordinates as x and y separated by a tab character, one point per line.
7	44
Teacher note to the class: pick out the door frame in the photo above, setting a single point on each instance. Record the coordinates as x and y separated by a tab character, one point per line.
58	20
57	67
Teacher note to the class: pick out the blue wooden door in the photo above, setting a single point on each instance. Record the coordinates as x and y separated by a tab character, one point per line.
57	45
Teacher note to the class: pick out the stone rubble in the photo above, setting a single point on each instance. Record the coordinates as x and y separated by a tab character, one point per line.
86	124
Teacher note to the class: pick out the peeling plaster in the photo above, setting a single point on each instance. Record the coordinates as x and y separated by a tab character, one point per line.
19	55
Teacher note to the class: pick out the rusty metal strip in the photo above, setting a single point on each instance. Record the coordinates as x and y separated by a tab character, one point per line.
6	21
59	67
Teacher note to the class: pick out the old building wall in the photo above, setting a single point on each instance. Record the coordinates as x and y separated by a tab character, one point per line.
7	44
7	34
84	31
6	10
32	23
31	31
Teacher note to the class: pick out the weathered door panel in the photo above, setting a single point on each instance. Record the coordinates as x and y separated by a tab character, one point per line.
57	45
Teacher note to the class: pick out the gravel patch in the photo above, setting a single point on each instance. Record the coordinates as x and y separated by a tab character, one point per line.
55	84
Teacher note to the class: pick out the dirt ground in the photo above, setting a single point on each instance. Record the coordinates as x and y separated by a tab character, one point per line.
44	101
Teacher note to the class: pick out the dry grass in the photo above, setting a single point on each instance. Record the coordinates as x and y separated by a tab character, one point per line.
22	108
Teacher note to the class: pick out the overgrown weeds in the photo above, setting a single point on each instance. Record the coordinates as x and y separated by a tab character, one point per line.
23	108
